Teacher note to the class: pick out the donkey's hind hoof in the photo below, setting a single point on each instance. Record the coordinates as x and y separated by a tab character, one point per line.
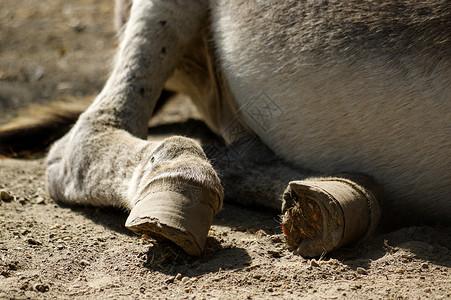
175	216
323	214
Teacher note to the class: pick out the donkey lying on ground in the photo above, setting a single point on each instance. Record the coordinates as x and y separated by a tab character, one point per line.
333	88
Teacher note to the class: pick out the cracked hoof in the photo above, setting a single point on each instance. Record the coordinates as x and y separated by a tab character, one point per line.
323	214
174	216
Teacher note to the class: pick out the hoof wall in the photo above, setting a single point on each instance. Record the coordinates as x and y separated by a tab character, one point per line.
323	214
171	215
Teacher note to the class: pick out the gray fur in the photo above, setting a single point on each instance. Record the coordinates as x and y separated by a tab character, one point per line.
354	87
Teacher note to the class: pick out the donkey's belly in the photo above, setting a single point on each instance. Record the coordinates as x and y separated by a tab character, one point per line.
386	116
344	125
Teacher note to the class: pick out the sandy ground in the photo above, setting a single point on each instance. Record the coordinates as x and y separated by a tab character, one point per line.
51	49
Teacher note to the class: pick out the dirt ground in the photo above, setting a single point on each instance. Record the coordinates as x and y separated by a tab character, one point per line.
56	48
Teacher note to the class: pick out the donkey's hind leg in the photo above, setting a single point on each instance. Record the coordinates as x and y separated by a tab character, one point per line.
319	214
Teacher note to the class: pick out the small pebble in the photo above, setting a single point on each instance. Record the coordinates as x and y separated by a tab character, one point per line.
171	279
5	196
275	254
55	226
277	239
179	276
13	266
39	200
314	263
84	262
362	271
41	288
24	286
185	280
22	200
34	242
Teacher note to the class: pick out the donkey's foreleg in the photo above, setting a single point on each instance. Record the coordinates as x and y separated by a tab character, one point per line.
169	186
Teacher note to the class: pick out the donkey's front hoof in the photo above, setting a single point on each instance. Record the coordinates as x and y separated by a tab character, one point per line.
183	217
323	214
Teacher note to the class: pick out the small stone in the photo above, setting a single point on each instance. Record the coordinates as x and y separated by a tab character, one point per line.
185	280
42	287
6	196
77	26
39	200
427	290
22	200
55	226
34	242
4	273
171	279
84	262
314	263
362	271
179	276
25	286
277	239
260	233
275	254
13	266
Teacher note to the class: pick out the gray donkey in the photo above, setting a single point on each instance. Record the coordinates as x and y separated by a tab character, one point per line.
336	112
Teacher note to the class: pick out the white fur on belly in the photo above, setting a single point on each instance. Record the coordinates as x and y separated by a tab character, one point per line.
384	117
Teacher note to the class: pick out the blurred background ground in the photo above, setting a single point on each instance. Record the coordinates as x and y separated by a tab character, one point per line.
51	49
